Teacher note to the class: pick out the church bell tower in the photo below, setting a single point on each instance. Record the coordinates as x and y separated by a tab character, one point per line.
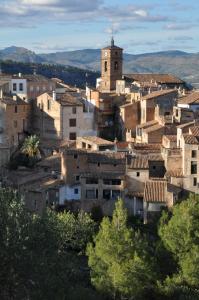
111	67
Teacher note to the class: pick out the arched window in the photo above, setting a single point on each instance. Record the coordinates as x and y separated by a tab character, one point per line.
116	65
105	66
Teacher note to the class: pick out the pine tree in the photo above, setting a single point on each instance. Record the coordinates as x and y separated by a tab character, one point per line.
118	259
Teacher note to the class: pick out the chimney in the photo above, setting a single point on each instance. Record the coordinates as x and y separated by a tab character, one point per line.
20	75
54	96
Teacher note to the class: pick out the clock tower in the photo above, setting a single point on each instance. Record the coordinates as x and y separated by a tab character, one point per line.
111	67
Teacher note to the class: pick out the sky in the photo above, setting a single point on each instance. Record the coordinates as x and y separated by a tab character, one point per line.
142	26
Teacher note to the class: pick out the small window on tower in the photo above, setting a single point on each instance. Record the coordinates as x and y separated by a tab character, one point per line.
116	65
105	66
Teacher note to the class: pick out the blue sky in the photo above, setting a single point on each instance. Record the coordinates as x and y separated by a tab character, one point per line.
138	26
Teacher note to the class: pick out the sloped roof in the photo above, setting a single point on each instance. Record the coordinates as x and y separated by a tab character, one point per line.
194	130
153	128
142	161
192	98
147	124
155	191
171	138
97	140
157	94
190	139
160	78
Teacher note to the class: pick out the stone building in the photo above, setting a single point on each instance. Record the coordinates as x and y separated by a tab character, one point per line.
28	87
14	120
111	67
63	116
98	178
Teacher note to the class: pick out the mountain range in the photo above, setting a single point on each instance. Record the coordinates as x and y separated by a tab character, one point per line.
182	64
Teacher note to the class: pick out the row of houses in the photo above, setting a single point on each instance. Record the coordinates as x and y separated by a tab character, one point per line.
134	136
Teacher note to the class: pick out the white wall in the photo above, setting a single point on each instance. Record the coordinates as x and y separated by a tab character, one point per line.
17	81
67	193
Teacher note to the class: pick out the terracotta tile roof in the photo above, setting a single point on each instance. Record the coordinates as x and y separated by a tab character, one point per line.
194	130
192	98
139	162
142	161
107	158
147	124
141	146
186	124
171	138
155	191
190	139
68	99
160	78
10	101
153	128
123	145
97	140
174	173
157	94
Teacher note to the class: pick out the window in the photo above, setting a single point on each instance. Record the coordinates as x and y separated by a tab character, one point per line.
116	53
91	181
77	178
15	108
14	86
115	194
21	87
176	112
76	192
15	124
98	164
90	194
194	181
72	136
74	110
105	66
72	122
83	145
107	194
38	88
75	156
193	167
137	174
193	153
116	66
112	181
48	105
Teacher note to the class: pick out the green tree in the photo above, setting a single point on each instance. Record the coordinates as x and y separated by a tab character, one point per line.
76	231
179	232
118	259
31	146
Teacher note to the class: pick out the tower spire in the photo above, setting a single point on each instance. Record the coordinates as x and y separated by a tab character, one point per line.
112	42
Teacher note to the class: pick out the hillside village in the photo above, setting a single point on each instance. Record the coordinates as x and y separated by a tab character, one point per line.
134	136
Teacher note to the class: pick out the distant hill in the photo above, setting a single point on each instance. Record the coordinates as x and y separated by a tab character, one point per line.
70	75
182	64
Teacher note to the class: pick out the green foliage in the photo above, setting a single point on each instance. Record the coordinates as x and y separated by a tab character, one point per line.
118	259
180	235
30	146
76	231
34	264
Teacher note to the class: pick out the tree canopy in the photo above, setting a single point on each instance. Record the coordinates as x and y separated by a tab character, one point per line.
119	262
